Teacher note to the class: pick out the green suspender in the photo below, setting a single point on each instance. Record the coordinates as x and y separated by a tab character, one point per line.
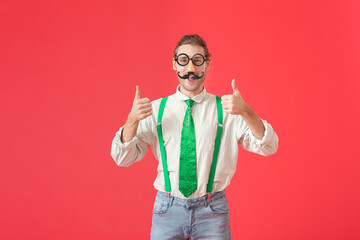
217	145
161	144
216	148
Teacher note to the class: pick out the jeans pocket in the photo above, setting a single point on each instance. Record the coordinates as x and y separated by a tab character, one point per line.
160	207
219	206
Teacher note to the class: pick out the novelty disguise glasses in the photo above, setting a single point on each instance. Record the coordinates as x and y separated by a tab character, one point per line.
183	59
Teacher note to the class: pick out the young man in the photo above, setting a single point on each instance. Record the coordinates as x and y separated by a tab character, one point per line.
194	135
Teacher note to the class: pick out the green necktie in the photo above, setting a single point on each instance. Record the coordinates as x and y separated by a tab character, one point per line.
187	166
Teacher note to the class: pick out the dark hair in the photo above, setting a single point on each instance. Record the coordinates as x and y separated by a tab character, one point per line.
193	39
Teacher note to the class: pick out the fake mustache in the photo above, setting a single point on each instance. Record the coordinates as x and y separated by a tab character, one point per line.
193	75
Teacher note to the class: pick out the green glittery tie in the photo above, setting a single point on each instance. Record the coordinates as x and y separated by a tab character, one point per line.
187	168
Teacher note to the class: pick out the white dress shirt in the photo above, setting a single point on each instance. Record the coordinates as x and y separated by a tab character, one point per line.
235	131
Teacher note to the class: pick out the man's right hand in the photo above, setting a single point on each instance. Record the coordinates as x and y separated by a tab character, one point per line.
140	110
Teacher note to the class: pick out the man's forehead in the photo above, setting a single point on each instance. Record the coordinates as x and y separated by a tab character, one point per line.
191	49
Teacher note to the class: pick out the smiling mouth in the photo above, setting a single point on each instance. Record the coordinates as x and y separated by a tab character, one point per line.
190	76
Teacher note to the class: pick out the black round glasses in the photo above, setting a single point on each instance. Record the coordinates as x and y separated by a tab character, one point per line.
183	59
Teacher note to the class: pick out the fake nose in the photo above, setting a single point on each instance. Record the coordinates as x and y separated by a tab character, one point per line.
190	67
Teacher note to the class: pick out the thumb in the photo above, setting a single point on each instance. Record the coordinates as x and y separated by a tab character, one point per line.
137	93
234	87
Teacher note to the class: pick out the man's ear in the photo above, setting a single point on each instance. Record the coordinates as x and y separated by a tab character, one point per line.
208	64
174	64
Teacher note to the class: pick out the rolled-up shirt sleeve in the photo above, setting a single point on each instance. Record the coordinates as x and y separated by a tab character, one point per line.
128	153
125	154
266	146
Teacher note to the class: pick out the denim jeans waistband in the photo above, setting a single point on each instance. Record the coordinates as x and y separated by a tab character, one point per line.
201	201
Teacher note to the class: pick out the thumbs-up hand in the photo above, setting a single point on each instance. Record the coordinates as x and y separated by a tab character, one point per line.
141	107
234	103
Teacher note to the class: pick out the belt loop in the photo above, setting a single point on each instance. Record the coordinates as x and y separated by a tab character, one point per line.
171	200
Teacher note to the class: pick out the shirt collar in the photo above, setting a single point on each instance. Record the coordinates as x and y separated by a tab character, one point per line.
198	98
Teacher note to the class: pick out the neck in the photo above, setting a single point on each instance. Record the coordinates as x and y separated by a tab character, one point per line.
190	94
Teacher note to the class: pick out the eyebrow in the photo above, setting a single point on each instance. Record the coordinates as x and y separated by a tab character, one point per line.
188	54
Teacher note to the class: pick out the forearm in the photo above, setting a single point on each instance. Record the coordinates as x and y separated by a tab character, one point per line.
129	130
254	122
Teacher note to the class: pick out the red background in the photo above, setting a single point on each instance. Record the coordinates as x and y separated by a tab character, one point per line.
68	72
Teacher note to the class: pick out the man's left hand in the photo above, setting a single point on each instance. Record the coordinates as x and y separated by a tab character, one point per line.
234	103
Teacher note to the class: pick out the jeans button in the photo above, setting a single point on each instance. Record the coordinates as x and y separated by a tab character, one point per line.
188	203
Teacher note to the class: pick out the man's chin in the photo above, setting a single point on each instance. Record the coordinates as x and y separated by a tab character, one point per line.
193	84
188	86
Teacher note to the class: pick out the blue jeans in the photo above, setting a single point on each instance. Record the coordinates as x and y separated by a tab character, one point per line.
195	218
